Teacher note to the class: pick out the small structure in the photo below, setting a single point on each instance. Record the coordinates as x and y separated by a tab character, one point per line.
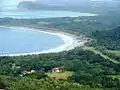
21	75
29	72
32	71
55	69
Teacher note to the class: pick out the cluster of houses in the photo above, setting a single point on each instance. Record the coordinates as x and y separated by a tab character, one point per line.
53	70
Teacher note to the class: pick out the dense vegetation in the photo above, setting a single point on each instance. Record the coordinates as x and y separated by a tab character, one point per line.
108	39
108	42
25	83
89	68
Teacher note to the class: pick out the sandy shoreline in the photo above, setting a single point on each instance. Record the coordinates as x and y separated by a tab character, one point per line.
70	42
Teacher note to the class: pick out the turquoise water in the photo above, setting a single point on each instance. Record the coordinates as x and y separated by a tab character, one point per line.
17	13
15	40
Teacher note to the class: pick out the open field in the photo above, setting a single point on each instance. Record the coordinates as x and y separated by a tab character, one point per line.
114	76
115	52
62	75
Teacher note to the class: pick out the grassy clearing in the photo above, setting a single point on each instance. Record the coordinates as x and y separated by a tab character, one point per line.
115	52
61	75
98	52
87	89
114	76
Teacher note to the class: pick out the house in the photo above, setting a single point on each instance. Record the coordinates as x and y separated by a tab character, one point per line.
29	72
55	69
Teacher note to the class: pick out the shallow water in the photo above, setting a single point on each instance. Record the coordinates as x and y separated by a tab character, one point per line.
15	40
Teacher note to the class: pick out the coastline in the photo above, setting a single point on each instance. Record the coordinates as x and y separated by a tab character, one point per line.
70	41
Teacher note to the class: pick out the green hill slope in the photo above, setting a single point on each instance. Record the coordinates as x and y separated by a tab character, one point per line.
108	39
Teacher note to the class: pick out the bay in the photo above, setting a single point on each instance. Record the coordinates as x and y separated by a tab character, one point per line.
16	40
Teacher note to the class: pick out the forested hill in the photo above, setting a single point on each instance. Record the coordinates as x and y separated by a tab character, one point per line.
109	39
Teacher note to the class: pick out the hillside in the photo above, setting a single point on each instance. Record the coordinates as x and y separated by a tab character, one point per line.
108	39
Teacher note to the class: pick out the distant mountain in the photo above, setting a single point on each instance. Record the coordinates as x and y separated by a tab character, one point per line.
51	3
38	4
28	5
31	5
